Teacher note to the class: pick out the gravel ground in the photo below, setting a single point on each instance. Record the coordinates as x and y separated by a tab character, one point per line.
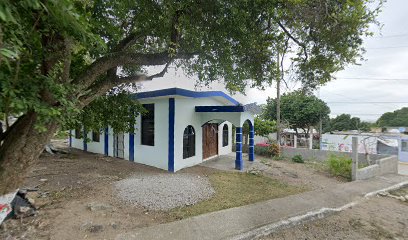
164	191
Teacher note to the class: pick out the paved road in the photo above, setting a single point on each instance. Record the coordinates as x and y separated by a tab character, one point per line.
246	221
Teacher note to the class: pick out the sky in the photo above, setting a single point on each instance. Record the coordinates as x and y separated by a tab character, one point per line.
378	85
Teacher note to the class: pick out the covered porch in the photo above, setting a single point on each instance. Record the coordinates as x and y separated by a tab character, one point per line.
237	115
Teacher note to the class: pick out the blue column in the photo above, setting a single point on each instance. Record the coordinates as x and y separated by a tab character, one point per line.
131	146
85	139
251	143
70	138
171	135
106	141
238	160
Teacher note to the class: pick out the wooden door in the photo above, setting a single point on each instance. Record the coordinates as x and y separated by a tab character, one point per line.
210	140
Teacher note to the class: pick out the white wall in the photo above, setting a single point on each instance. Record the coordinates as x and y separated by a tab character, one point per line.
260	139
343	143
185	115
402	155
227	149
156	155
77	143
96	147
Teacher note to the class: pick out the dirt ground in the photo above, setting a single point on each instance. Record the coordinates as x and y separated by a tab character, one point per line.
377	218
76	199
297	174
73	181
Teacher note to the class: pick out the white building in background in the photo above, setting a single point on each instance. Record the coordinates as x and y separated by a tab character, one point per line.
182	128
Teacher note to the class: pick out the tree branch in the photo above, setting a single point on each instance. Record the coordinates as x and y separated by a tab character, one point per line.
108	83
103	64
293	38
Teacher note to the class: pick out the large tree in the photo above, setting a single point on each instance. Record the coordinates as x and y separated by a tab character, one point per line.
58	56
398	118
344	122
299	109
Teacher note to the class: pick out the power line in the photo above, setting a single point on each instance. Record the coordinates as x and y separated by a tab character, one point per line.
373	79
393	36
367	102
388	47
359	114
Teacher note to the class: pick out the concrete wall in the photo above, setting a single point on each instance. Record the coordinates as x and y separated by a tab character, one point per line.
227	149
382	166
157	155
185	115
259	139
95	147
77	143
321	155
342	143
403	153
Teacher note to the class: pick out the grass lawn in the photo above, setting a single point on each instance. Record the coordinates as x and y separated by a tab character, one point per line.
237	189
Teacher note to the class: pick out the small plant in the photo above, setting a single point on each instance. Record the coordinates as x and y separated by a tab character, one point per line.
278	158
340	165
262	150
298	159
274	150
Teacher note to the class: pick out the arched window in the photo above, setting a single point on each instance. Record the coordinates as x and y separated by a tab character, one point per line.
188	142
225	135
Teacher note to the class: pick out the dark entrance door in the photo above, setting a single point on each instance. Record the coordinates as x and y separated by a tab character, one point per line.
210	140
118	145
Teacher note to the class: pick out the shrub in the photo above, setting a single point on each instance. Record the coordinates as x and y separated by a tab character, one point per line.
274	150
262	150
298	159
340	165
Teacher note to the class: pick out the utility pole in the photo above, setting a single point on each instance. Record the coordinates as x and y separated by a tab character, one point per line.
320	127
278	120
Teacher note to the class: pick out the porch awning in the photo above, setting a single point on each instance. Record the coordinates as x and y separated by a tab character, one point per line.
219	109
236	114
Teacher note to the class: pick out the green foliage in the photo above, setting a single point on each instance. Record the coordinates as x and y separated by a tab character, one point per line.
345	122
118	111
398	118
262	150
340	165
264	127
32	34
47	45
61	134
267	150
274	150
299	109
298	159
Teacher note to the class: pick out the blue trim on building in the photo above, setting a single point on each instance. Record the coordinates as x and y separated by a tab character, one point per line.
239	164
251	148
85	139
70	138
219	108
184	93
106	142
172	106
131	147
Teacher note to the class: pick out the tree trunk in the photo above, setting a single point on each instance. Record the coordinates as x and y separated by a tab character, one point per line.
21	149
